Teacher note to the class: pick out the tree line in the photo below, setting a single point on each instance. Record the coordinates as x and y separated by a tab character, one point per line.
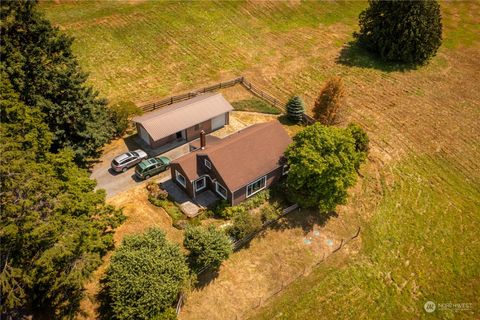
55	227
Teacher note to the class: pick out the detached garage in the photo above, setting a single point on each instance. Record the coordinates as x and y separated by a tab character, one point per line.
183	121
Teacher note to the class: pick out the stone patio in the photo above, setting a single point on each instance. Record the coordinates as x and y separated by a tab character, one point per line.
190	207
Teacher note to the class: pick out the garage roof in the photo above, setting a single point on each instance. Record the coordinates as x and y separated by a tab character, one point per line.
185	114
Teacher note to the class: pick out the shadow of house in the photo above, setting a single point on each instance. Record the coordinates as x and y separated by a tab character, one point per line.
353	55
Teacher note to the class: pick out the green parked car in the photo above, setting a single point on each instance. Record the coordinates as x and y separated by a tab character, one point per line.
151	167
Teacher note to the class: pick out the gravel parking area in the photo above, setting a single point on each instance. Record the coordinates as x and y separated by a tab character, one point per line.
113	182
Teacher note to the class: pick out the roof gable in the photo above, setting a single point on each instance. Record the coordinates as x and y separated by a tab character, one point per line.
243	156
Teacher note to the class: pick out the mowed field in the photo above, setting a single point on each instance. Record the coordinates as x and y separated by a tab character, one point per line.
419	198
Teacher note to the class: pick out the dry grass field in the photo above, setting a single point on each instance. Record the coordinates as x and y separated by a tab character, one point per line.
418	201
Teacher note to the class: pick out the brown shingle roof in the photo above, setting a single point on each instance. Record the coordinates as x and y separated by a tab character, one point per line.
243	156
178	116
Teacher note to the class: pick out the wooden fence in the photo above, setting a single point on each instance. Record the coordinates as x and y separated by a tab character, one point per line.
263	95
185	96
238	244
253	89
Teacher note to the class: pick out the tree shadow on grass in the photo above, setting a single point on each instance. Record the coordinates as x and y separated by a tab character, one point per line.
305	219
206	277
352	55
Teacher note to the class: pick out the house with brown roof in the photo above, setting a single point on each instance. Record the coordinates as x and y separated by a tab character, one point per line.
183	121
235	167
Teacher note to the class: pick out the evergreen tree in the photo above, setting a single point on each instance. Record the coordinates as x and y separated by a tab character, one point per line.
405	31
295	109
328	102
54	228
322	162
144	278
42	69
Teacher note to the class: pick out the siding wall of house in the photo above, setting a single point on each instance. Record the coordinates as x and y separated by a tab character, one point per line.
213	174
163	141
193	133
272	177
188	185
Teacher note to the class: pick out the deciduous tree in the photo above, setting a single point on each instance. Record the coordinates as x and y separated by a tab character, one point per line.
322	162
405	31
328	102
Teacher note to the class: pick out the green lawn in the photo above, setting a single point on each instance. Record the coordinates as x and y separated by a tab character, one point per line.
422	244
255	105
152	49
420	229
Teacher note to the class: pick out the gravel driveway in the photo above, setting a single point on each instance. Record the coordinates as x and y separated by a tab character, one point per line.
113	182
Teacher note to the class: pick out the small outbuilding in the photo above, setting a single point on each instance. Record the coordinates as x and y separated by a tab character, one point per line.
235	167
183	121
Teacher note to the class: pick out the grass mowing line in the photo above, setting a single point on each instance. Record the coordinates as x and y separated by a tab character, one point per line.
421	245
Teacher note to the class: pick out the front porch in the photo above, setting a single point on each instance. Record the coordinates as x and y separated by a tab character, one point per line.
190	207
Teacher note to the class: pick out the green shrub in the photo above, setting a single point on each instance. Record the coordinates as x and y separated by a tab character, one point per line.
257	200
208	247
219	209
270	212
229	212
171	208
361	142
243	224
121	112
145	276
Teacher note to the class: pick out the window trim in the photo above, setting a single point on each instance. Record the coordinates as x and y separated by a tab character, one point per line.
209	165
177	174
250	184
216	189
204	184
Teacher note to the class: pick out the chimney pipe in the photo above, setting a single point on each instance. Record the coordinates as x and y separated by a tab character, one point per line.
202	140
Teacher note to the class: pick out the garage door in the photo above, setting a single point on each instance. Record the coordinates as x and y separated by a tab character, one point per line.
218	122
144	135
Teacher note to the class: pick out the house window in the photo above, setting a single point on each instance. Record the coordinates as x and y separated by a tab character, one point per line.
200	184
221	190
197	127
208	164
284	170
256	186
180	179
